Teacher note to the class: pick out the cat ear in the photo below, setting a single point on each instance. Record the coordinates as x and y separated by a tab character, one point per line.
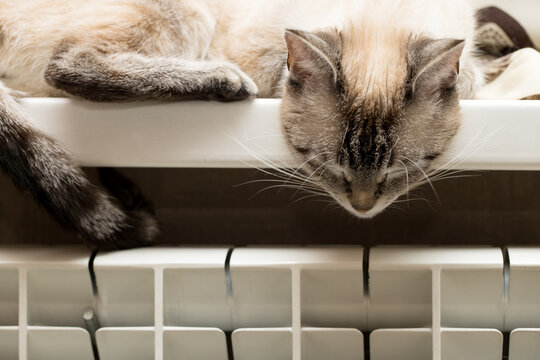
439	68
307	61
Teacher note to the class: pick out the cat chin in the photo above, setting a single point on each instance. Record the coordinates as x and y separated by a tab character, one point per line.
376	210
367	215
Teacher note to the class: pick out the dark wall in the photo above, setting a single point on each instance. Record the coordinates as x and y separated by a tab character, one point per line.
206	206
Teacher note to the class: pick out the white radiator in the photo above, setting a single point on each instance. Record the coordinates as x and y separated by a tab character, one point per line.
495	135
386	303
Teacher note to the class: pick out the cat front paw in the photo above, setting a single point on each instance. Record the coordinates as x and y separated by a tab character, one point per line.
231	83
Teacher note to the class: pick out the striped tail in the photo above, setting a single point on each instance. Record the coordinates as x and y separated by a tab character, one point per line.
38	166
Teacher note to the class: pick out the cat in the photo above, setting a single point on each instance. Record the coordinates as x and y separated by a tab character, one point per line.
370	88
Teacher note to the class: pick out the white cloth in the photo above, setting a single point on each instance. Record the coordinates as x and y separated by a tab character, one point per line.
521	79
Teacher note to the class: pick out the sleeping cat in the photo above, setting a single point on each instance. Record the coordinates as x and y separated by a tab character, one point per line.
370	88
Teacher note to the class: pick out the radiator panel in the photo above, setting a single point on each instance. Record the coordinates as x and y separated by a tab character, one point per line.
194	343
125	343
9	347
9	297
525	344
60	343
290	304
406	344
262	344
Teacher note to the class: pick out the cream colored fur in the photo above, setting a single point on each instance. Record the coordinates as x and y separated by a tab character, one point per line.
371	101
248	33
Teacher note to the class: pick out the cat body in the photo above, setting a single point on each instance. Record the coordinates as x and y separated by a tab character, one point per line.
365	84
246	33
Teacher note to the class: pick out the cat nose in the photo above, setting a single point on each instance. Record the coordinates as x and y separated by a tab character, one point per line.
361	208
362	201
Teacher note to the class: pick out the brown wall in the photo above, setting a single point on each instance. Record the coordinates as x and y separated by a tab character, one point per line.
205	206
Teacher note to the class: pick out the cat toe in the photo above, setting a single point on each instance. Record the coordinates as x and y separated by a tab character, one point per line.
235	85
250	87
141	230
141	227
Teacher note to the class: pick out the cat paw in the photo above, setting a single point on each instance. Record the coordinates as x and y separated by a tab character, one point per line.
141	227
231	83
140	230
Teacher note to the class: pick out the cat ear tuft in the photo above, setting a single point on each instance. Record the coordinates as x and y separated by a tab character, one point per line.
439	68
307	61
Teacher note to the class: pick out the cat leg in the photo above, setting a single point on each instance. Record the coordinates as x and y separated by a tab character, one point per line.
121	77
37	165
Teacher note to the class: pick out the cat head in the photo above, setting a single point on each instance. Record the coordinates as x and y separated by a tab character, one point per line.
368	114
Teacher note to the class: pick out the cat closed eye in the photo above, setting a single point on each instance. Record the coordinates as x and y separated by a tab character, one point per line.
432	157
347	184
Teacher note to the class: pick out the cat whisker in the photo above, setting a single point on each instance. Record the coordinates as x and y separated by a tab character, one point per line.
325	201
406	177
285	179
282	169
304	197
342	147
284	186
437	174
426	176
477	140
411	199
293	180
308	160
450	164
455	177
425	200
446	174
479	143
392	149
396	207
308	179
